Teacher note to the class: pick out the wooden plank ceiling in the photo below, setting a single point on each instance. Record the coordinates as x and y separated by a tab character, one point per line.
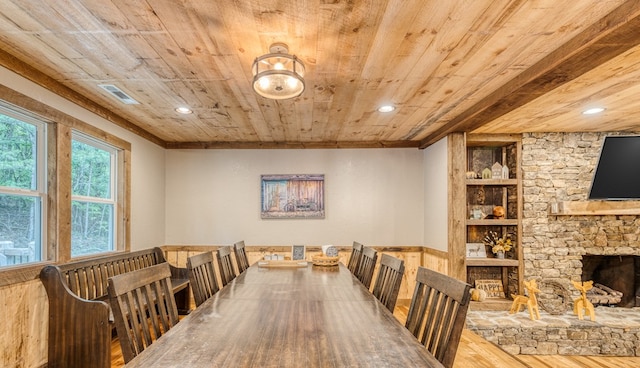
489	66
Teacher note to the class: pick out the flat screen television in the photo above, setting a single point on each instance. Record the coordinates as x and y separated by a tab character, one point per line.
617	174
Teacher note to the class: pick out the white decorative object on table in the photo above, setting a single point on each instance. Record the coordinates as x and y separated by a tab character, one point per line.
329	251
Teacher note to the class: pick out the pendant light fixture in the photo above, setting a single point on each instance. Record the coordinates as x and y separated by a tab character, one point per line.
278	75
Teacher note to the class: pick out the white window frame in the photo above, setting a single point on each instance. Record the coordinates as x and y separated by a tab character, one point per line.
40	191
114	153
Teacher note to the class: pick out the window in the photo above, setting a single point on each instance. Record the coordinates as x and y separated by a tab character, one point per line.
22	188
94	197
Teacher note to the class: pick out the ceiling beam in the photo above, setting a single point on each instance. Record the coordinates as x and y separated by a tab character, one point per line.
291	145
26	71
612	35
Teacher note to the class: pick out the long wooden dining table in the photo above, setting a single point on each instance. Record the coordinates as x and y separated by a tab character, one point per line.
311	316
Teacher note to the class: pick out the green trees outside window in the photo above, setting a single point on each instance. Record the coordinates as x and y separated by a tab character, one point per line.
93	199
21	190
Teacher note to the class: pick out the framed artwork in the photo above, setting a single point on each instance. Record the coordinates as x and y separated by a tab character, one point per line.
297	252
476	250
292	196
493	288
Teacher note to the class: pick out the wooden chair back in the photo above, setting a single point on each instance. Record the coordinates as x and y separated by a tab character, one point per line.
354	259
388	282
367	265
143	307
202	277
241	256
223	256
437	313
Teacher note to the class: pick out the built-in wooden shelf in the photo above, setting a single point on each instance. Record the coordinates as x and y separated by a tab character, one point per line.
594	208
484	151
492	181
493	222
492	262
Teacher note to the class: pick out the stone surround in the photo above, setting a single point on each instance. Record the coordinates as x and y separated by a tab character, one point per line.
559	167
616	332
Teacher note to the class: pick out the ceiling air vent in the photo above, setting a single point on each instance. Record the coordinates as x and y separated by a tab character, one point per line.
119	94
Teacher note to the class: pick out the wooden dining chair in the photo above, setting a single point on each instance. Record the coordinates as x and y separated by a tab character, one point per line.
367	265
388	281
354	259
223	256
241	256
143	307
202	277
437	313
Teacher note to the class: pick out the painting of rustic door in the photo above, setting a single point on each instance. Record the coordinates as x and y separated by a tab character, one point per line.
292	196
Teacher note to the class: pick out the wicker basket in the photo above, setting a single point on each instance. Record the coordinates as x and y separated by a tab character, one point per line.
320	260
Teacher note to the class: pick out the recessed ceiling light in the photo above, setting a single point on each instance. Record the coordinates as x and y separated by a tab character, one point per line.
184	110
386	108
594	110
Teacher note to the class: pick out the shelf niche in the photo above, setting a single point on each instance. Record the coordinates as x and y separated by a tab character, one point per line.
483	151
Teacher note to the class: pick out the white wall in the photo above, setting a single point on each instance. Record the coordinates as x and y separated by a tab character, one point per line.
147	163
374	196
436	196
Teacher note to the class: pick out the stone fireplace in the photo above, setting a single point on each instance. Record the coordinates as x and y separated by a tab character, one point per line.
558	167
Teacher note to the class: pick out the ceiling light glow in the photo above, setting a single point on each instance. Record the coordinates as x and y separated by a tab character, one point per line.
386	108
184	110
594	110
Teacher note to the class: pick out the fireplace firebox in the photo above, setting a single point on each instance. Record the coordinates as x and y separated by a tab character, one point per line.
620	272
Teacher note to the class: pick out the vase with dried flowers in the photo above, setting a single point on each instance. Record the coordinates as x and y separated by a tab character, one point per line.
499	245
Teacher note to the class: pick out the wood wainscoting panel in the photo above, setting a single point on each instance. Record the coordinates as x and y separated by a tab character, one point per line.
412	260
436	260
23	335
413	256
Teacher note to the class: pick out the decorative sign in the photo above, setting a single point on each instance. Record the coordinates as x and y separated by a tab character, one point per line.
493	288
297	252
292	196
476	250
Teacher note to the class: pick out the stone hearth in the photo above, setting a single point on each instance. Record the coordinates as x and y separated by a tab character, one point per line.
616	332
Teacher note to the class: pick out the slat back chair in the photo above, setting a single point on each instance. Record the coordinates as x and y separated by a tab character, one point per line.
143	306
388	282
241	256
202	276
367	265
437	313
223	256
354	259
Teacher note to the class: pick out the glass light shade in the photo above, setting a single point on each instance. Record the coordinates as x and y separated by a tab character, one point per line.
278	76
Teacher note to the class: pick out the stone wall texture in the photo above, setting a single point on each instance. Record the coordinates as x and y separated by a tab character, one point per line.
560	167
615	332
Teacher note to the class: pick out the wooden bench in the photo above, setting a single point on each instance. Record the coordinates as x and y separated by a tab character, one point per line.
80	318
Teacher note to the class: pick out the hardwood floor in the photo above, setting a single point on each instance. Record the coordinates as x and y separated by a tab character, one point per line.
116	354
474	351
